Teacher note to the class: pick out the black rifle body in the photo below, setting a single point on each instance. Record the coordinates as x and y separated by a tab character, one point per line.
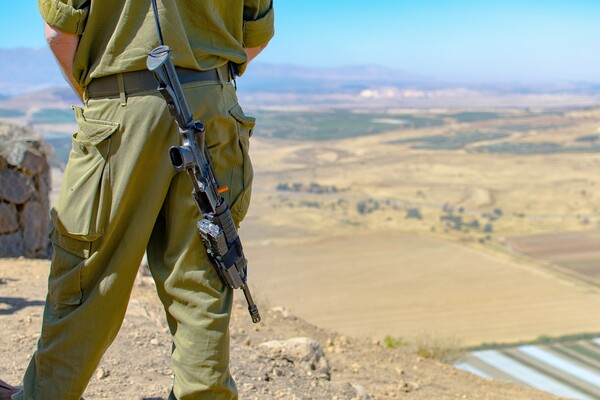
217	229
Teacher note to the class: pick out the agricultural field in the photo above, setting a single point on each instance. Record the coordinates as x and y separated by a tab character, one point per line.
408	222
52	116
380	235
408	287
438	181
577	253
11	113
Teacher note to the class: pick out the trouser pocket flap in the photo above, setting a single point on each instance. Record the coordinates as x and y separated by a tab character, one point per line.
80	210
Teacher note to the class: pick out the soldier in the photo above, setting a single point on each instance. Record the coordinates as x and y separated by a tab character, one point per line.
121	196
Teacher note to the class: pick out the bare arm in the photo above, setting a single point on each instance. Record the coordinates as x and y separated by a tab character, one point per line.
252	52
63	46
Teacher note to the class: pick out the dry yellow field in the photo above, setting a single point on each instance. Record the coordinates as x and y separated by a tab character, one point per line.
536	193
357	259
409	286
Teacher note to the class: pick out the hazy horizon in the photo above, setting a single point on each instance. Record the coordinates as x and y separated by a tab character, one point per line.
465	41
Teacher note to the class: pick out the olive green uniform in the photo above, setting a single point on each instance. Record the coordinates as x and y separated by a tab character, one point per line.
120	195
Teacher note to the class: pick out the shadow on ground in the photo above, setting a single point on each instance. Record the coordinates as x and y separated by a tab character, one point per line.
10	305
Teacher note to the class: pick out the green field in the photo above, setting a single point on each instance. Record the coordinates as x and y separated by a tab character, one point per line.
474	116
340	124
62	148
455	141
533	148
53	116
337	124
10	113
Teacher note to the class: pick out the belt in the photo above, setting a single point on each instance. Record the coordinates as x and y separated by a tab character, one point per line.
142	81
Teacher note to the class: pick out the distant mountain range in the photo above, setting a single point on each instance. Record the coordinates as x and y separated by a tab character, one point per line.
25	70
299	79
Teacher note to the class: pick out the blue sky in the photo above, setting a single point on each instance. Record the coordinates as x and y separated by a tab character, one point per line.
459	40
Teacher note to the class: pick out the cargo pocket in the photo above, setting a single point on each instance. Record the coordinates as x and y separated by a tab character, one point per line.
79	213
241	201
65	278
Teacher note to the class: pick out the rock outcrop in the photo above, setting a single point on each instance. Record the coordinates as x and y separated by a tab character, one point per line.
24	188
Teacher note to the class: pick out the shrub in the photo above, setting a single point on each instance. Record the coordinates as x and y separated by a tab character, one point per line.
394	342
444	349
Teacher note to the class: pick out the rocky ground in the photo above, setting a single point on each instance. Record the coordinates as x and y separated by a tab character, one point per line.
283	357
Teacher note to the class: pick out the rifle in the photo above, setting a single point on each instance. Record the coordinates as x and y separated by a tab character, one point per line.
217	229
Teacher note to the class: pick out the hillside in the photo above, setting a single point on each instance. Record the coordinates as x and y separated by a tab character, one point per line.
383	207
137	365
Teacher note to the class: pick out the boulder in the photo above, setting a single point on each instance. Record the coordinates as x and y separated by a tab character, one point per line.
303	352
24	190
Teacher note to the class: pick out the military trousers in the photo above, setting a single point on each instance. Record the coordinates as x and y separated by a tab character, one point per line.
121	197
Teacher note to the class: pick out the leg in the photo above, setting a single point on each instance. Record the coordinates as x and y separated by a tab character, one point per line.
113	189
197	303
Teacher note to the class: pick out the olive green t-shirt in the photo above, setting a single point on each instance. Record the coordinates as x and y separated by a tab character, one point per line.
117	35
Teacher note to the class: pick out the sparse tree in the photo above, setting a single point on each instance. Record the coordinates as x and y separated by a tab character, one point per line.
413	213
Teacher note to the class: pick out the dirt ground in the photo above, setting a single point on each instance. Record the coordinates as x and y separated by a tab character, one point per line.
137	366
